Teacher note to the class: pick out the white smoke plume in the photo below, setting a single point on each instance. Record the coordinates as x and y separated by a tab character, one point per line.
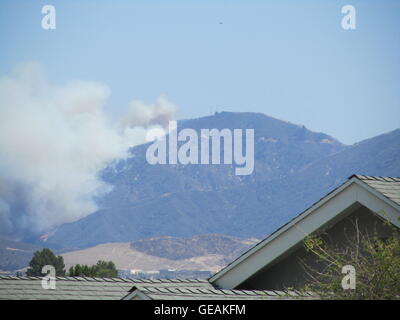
141	114
54	140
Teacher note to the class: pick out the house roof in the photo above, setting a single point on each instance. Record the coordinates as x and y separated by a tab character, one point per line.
85	288
379	194
88	288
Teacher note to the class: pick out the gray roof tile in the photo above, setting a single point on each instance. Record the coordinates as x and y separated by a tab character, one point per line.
388	186
207	294
66	288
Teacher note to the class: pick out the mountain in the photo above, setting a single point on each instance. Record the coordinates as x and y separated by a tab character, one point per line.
15	255
294	167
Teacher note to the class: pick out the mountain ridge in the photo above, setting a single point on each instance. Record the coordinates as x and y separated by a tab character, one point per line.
182	201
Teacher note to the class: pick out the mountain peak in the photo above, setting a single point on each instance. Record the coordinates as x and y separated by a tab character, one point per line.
265	127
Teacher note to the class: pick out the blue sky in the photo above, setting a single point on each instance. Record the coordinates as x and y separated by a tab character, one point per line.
288	59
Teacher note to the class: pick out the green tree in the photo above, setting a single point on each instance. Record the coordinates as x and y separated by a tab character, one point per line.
106	269
103	269
42	258
375	260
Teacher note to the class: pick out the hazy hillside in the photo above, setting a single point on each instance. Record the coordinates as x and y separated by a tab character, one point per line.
205	252
185	248
294	167
197	253
15	255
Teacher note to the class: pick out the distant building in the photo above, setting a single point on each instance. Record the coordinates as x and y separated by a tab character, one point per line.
165	274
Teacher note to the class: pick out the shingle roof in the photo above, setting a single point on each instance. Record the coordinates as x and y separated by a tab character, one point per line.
185	293
388	186
84	288
87	288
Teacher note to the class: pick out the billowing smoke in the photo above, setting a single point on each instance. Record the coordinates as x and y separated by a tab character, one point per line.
140	114
54	140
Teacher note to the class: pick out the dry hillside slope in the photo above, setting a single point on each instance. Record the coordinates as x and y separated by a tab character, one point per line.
207	252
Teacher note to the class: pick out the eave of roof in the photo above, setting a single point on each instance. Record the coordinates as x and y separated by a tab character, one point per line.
184	293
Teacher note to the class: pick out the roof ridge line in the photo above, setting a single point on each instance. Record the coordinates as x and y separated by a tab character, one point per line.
367	177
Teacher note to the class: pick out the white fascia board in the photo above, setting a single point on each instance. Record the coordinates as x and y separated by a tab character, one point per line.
351	192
